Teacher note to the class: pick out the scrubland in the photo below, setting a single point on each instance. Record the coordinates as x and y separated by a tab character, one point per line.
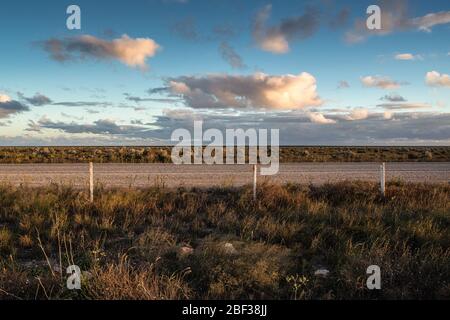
219	243
163	154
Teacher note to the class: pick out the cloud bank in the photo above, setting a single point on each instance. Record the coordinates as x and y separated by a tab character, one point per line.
350	127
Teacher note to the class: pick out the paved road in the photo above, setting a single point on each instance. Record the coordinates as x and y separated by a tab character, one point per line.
140	175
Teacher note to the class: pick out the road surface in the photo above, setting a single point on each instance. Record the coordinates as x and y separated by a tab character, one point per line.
142	175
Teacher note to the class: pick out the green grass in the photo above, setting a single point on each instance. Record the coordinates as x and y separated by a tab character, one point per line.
219	244
162	154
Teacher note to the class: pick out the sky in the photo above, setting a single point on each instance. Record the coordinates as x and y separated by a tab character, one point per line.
139	69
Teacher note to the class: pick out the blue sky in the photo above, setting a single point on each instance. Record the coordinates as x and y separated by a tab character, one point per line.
291	65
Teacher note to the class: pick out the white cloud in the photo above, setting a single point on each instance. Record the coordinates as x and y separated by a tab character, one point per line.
319	118
379	82
436	79
430	20
358	114
254	91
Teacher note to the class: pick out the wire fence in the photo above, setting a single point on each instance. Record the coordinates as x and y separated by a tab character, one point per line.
94	176
255	180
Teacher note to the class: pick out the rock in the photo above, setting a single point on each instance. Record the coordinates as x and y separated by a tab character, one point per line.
321	273
185	251
229	248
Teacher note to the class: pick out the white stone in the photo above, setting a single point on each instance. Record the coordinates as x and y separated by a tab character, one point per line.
185	251
229	248
321	272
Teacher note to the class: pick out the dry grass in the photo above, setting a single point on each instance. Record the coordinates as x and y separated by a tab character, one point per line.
121	280
217	243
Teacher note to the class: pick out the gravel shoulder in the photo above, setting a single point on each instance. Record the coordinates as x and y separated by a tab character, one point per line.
141	175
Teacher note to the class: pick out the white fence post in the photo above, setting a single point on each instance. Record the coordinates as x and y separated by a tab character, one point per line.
91	181
255	172
383	179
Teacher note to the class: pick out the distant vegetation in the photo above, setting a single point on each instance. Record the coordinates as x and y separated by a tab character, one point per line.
218	244
162	154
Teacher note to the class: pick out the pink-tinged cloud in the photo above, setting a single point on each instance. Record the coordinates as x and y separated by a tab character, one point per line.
407	56
436	79
4	98
380	82
253	91
388	115
129	51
